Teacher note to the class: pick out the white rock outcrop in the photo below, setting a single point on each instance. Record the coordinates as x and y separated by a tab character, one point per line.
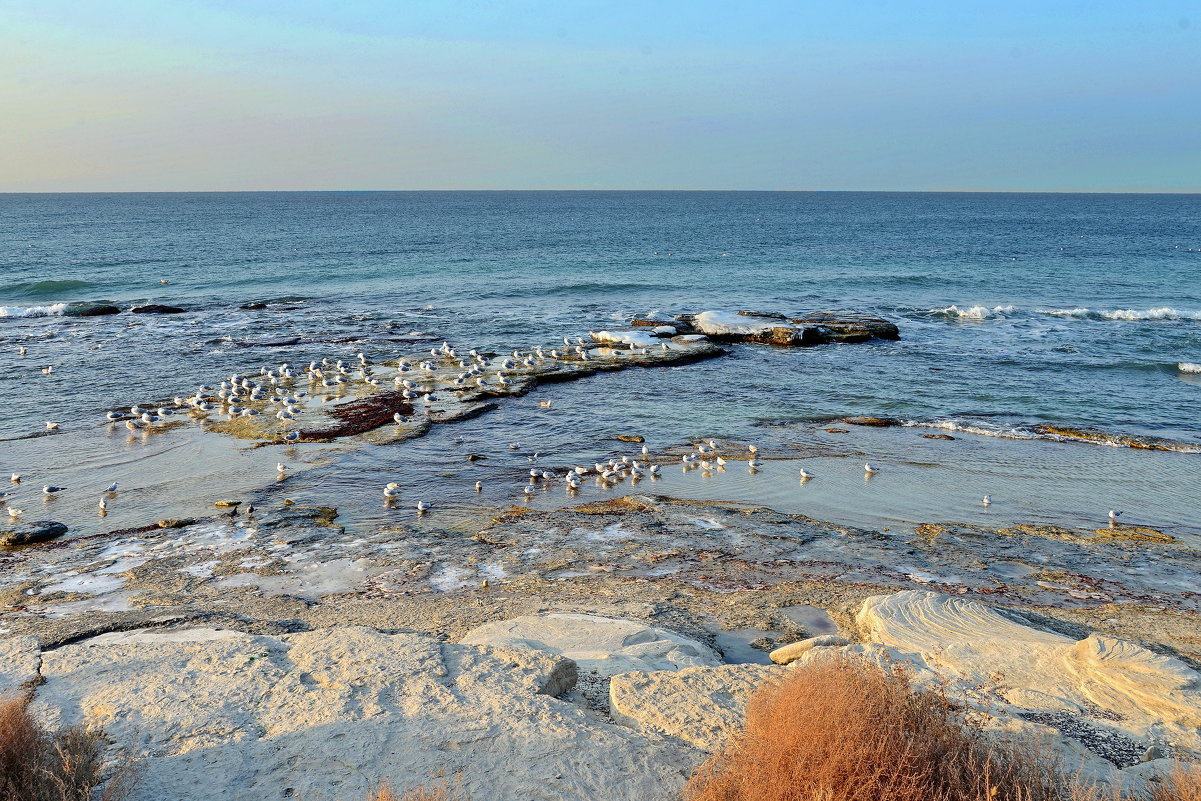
702	706
787	654
20	658
602	644
1112	683
326	714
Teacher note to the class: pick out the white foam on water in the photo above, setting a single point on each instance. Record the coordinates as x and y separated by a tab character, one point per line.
1125	315
52	310
1188	367
974	312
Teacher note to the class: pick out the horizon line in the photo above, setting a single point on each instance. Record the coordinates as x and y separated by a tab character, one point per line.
579	189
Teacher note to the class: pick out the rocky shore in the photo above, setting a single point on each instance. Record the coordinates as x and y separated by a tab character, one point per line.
600	651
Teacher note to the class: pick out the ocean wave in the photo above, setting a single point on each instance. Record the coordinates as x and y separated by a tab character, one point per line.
1188	367
1127	315
954	312
52	310
1165	313
44	289
1060	433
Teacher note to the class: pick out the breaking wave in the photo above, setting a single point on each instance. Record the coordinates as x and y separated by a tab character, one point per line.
33	311
957	312
1188	367
954	312
1129	315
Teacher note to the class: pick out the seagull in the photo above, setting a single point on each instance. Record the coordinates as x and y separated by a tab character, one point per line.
48	369
869	468
15	513
50	489
51	426
103	506
398	418
479	486
987	500
113	416
529	490
422	507
1113	516
752	448
281	467
15	478
292	436
112	487
391	490
21	351
805	474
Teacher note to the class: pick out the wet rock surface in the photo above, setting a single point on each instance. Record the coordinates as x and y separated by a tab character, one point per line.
156	308
773	328
35	531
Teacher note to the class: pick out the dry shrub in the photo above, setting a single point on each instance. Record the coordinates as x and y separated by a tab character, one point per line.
433	792
1182	784
67	765
843	729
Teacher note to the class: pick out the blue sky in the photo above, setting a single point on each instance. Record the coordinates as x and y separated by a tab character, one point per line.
251	94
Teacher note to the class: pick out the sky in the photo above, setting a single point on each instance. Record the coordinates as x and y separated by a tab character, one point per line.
191	95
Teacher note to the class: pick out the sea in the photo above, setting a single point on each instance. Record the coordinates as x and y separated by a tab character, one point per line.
1015	311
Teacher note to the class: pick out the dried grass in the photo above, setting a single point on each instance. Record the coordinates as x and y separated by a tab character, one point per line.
434	792
842	729
1182	784
67	765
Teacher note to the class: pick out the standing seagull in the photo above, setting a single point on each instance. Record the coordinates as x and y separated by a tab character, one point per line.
51	490
1113	516
870	468
987	500
111	488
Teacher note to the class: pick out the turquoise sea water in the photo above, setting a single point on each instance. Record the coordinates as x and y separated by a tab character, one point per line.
1014	310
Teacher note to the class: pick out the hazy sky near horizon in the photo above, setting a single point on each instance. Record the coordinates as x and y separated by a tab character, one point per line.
678	94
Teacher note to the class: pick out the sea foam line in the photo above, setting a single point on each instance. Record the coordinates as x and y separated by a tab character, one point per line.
33	311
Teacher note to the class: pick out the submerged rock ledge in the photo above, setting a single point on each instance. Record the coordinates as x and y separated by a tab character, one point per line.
771	328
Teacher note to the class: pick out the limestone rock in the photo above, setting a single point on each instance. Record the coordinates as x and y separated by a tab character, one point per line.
1099	685
327	713
605	645
32	532
20	658
795	650
702	706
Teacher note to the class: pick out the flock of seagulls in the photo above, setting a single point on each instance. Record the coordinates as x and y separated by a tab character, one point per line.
51	490
273	393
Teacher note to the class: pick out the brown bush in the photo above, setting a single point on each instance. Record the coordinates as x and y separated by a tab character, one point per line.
433	792
1182	784
842	729
67	765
